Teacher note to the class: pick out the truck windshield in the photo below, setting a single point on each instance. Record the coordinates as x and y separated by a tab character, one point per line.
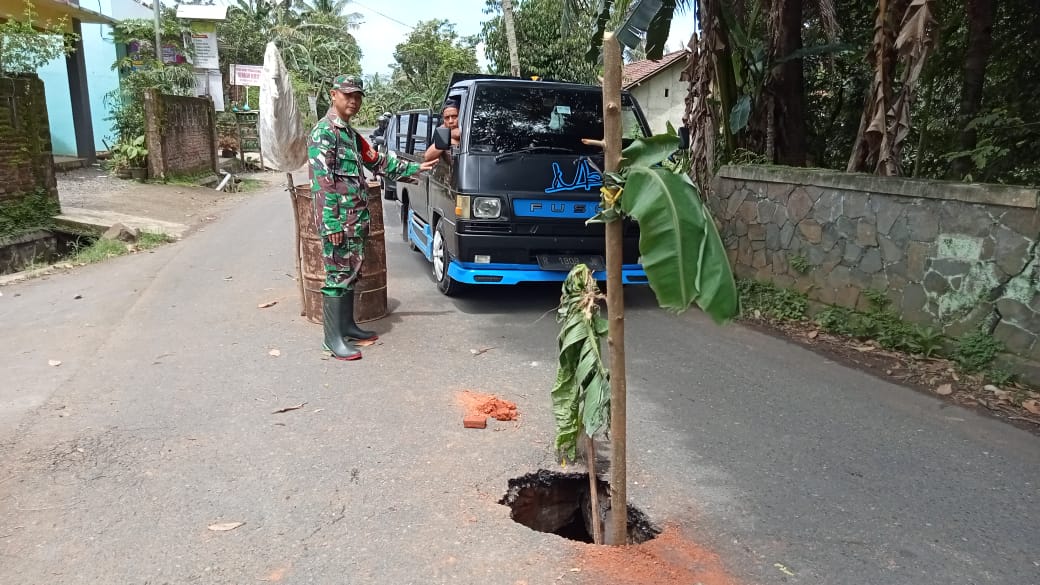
509	118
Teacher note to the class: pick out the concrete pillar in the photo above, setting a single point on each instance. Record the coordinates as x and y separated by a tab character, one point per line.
79	95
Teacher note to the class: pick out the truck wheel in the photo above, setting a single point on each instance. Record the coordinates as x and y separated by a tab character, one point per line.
441	260
404	226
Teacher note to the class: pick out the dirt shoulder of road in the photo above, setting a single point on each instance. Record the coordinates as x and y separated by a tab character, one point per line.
934	376
94	189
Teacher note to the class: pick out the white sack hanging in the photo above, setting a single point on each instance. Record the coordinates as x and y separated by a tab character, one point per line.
282	134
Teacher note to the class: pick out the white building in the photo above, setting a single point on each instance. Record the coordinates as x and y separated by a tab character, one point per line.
657	88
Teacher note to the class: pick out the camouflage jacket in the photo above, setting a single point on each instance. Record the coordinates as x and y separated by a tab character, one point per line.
337	182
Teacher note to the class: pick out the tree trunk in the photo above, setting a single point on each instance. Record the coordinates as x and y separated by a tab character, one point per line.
789	90
717	40
980	15
514	56
882	58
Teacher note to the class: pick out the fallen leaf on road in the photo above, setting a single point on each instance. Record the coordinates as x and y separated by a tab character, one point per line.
267	305
480	351
228	277
288	408
783	569
1032	406
225	526
365	342
944	390
1003	395
275	352
53	363
317	410
814	334
77	297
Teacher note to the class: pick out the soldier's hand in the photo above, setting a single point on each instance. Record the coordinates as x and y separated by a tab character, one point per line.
336	238
428	165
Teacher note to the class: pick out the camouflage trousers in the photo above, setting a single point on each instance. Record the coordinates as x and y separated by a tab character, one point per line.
342	265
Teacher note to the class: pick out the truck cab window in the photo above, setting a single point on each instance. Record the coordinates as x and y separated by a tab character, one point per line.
507	120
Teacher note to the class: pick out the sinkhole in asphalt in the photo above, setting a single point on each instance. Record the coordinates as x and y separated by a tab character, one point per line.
561	504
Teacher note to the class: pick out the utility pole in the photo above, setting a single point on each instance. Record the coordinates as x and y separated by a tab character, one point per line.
514	55
157	9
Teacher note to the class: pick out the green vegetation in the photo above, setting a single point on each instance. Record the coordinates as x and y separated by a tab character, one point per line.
800	263
937	89
882	325
545	49
140	70
103	249
424	62
771	301
31	212
30	43
974	352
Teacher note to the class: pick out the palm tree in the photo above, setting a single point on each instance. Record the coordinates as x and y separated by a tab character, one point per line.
333	12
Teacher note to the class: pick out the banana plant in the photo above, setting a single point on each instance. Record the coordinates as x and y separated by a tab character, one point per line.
682	251
581	395
685	263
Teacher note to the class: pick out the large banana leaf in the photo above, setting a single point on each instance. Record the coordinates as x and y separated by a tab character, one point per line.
682	252
647	152
581	395
602	18
649	20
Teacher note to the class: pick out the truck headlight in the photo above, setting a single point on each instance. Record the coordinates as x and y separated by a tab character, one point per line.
487	207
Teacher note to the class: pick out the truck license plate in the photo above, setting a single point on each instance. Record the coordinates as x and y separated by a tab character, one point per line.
568	261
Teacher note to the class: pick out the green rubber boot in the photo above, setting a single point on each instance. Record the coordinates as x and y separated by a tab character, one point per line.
331	320
350	327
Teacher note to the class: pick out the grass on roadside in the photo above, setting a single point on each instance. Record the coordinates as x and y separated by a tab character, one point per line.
973	353
102	249
248	185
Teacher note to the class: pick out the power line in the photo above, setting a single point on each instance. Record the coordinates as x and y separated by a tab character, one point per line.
404	24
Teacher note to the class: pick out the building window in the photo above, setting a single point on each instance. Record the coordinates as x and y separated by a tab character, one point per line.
666	92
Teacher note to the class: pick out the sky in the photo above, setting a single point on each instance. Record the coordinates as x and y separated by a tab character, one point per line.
387	23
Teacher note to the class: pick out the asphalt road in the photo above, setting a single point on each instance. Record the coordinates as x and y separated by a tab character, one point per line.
158	423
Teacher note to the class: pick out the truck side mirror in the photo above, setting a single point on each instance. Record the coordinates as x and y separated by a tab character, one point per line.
442	138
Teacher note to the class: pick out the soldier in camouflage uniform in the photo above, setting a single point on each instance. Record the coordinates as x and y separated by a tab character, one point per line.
339	198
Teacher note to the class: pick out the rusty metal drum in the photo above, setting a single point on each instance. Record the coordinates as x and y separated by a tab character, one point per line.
309	265
370	301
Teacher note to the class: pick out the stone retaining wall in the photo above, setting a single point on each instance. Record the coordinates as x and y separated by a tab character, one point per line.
951	255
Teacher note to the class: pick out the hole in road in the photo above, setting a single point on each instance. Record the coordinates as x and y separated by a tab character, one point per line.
560	504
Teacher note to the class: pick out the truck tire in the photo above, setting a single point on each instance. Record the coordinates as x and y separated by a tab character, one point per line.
404	226
441	259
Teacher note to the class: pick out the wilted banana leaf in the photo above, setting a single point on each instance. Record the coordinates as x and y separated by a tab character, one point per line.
581	395
647	152
682	252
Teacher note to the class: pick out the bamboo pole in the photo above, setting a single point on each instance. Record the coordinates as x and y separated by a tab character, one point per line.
615	297
597	520
297	243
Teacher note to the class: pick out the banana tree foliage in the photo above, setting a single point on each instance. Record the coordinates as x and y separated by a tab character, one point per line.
581	395
682	252
684	260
